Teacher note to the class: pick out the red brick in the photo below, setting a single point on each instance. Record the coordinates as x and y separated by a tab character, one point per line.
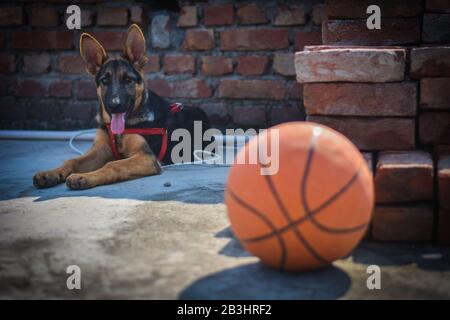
436	28
252	65
109	17
318	14
361	99
444	183
36	63
373	133
41	110
254	39
251	14
188	16
60	89
283	63
355	32
179	64
307	38
295	91
79	110
87	17
7	63
402	224
289	16
137	15
217	113
339	64
222	14
435	93
249	116
12	110
152	64
441	151
111	40
71	64
192	88
438	6
42	40
284	114
216	65
11	16
160	86
434	128
86	90
3	86
404	177
430	62
10	85
199	40
44	17
351	9
252	89
30	88
443	232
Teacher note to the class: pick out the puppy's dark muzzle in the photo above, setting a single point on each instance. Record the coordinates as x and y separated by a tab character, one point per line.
116	106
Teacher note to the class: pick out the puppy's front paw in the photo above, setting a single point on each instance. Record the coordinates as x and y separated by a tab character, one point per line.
46	179
78	182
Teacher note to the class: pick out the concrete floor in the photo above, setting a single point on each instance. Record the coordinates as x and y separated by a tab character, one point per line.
139	239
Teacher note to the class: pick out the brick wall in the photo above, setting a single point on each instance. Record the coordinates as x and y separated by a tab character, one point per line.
388	91
235	60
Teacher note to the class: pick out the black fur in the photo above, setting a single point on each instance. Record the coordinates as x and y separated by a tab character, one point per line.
165	119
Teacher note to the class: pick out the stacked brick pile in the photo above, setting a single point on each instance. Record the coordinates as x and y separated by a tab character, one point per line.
233	59
388	90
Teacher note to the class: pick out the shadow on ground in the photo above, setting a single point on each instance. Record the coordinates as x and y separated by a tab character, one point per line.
255	281
426	257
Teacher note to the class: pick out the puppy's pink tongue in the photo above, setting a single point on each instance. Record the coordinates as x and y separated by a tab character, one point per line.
118	123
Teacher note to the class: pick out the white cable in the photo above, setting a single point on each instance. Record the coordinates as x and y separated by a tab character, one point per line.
76	135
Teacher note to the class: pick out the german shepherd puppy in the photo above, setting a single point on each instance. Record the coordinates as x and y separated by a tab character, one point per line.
124	102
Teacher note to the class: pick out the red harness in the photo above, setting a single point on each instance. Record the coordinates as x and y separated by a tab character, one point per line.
174	108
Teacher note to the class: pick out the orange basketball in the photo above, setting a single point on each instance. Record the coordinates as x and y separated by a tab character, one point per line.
313	210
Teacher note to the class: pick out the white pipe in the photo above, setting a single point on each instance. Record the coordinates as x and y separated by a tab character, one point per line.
43	135
226	141
87	135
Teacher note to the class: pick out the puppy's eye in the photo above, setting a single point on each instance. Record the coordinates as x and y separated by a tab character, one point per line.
128	80
105	81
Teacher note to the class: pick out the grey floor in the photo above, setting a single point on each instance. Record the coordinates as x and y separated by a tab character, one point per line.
140	239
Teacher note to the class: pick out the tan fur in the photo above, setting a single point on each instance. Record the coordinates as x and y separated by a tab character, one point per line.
138	162
96	157
92	52
105	116
97	166
139	97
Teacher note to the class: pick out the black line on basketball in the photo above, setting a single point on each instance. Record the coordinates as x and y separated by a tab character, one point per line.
269	223
297	232
304	186
305	218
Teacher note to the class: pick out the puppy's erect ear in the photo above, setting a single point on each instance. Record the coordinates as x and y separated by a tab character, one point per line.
92	53
135	47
